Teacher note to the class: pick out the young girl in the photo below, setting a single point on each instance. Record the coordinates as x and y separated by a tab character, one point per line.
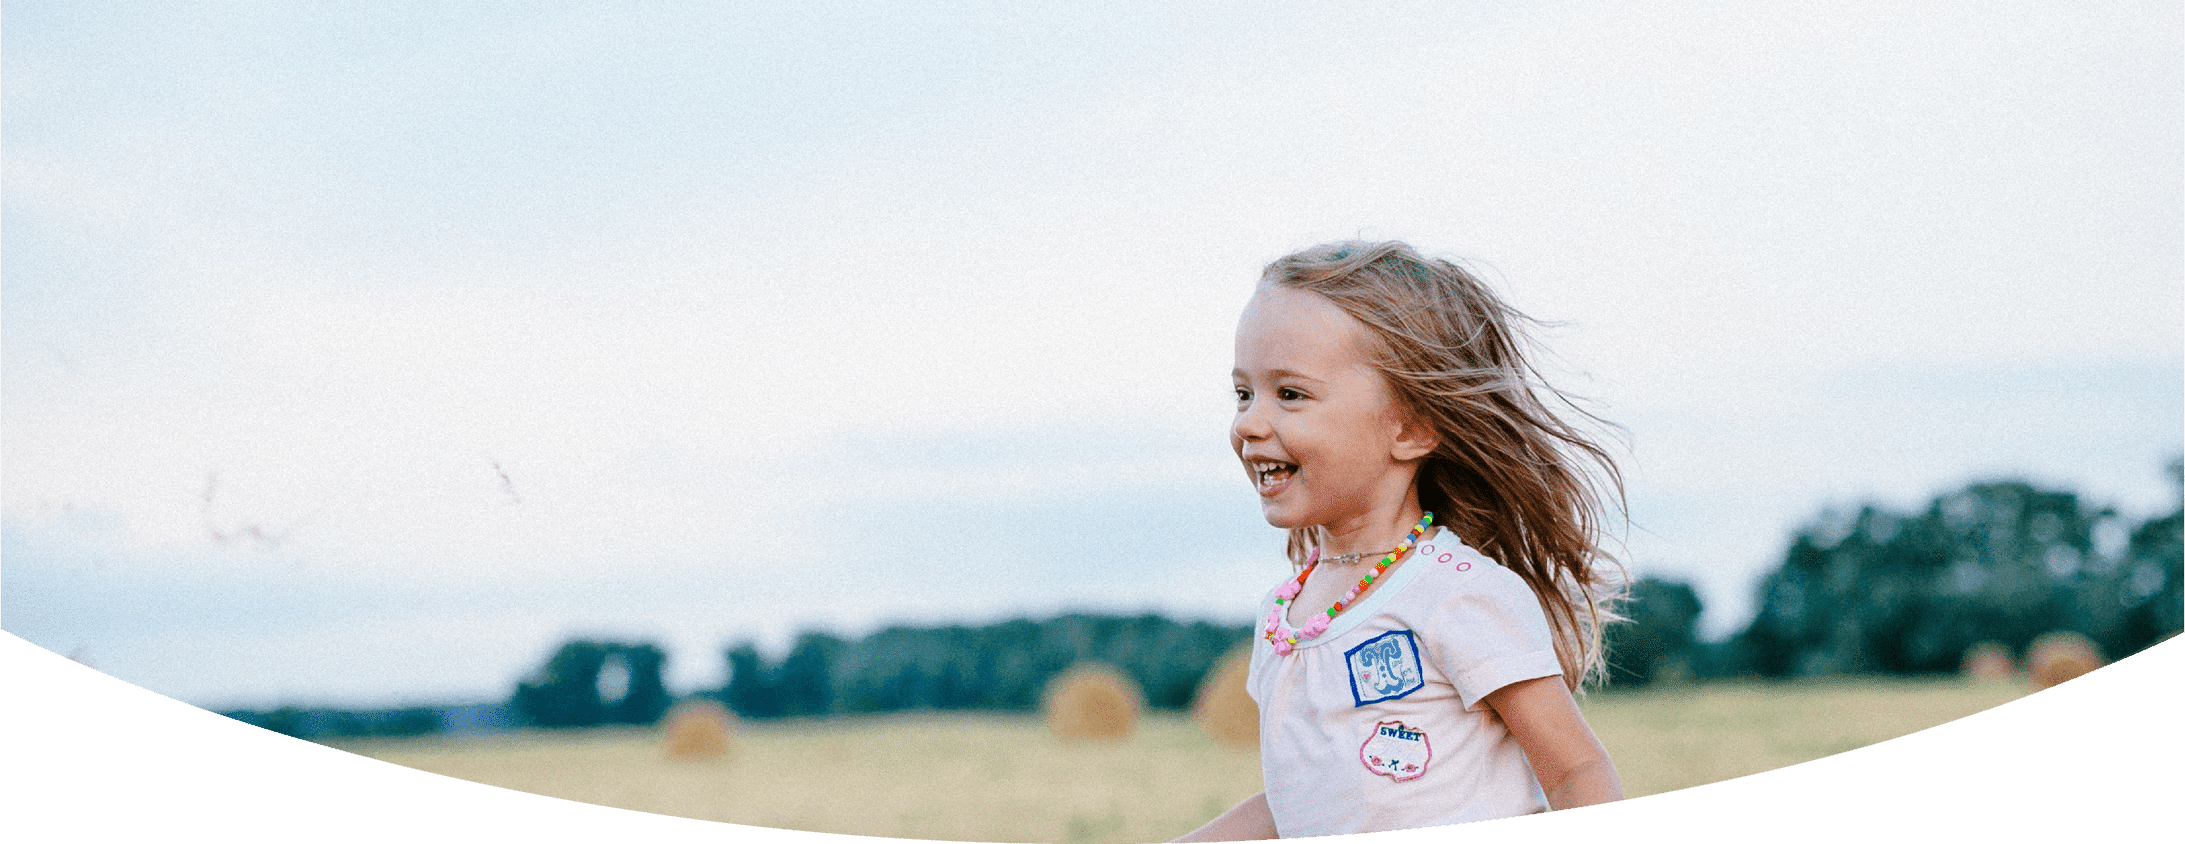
1420	667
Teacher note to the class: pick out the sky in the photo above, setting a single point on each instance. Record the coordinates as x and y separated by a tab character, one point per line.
360	356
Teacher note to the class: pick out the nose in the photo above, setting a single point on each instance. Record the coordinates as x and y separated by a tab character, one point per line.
1250	425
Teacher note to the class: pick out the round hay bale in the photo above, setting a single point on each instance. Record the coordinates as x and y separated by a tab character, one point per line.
1222	707
698	729
2060	655
1989	662
1092	702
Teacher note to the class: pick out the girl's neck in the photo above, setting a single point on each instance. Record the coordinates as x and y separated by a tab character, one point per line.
1370	534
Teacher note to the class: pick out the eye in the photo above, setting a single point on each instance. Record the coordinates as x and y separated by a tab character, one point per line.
1289	394
1243	395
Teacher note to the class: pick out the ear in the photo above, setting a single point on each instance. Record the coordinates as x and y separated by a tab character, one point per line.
1413	439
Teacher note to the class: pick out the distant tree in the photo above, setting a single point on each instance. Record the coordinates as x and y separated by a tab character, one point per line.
897	668
751	692
1664	615
2145	588
287	720
1881	592
410	721
805	681
1003	666
646	697
317	724
565	692
382	723
2139	600
1169	660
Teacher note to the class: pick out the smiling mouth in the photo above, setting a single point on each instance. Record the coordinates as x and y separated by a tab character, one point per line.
1270	477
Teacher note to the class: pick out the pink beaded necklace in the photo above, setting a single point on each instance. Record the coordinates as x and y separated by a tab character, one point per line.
1283	644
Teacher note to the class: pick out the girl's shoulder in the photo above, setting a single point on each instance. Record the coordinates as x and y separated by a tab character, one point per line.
1451	572
1444	545
1445	557
1468	608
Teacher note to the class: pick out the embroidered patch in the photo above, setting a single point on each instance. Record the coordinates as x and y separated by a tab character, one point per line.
1386	667
1396	751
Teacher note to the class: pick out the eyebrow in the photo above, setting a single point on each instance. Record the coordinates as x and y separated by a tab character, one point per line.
1279	373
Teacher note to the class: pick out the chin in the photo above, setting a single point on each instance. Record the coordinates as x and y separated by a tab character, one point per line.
1282	518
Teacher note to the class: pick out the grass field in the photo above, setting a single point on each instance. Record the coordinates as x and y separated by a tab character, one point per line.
1003	778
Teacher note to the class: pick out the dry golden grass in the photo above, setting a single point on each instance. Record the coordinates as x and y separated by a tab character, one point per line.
1693	735
959	778
1007	778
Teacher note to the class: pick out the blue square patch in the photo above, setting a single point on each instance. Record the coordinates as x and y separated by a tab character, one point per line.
1386	667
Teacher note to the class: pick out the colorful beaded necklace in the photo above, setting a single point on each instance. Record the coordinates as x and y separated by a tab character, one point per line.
1283	644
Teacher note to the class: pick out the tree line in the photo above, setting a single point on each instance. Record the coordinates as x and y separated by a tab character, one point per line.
999	667
1883	592
1871	591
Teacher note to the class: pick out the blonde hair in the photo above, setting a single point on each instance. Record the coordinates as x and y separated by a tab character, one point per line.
1507	474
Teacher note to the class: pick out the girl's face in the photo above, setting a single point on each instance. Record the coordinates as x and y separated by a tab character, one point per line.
1319	430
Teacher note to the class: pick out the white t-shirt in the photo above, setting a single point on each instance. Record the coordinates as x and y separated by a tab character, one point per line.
1376	724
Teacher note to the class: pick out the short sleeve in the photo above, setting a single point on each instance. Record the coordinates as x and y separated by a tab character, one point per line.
1261	651
1488	631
